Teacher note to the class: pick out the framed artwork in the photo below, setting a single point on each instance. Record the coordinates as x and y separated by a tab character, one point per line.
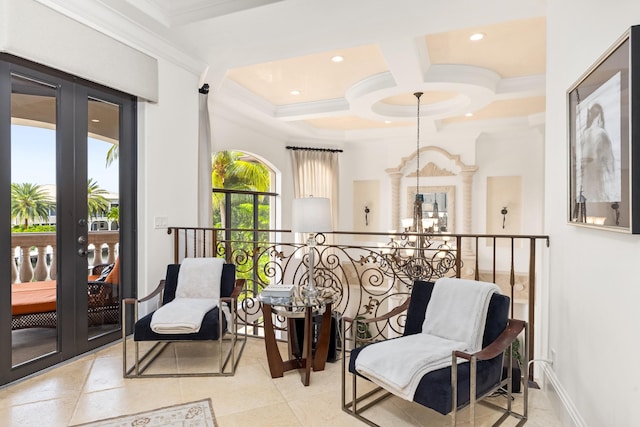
604	150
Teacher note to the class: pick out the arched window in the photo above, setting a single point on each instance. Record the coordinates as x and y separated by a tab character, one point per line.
242	196
243	204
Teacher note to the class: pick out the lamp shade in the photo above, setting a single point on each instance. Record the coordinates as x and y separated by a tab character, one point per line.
311	215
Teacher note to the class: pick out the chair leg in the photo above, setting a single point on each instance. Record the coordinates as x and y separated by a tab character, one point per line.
507	384
454	389
230	357
352	407
472	389
525	385
124	340
220	332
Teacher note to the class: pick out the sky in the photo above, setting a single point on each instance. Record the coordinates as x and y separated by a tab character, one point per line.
33	158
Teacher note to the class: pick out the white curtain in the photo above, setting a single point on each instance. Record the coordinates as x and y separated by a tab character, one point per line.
315	173
205	215
199	238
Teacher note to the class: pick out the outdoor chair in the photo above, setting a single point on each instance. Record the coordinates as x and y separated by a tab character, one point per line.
103	288
193	290
452	348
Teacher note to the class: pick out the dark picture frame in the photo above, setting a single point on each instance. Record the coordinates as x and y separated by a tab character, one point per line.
604	151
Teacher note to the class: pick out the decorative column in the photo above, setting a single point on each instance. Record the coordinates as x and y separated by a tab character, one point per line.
467	207
396	178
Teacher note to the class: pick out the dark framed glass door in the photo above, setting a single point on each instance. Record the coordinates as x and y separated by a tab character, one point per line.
67	148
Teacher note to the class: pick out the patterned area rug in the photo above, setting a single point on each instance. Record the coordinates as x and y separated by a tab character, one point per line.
193	414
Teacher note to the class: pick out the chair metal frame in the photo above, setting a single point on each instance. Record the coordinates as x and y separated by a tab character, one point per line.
144	361
503	342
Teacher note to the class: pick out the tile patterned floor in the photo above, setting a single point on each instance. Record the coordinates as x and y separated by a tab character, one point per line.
92	388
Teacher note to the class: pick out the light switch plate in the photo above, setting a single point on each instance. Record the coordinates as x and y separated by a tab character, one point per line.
161	221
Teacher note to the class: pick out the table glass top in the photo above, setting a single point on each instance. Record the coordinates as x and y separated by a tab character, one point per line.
300	299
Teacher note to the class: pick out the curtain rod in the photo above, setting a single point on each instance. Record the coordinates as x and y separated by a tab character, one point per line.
330	150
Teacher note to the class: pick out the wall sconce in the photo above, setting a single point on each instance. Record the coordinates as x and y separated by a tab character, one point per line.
616	207
366	215
504	212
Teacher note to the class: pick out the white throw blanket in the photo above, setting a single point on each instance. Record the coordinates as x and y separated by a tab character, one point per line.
399	364
197	292
181	316
455	320
458	310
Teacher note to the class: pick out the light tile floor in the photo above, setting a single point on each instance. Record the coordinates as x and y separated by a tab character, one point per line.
91	388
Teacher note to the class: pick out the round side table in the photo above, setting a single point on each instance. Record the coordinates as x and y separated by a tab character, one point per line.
298	307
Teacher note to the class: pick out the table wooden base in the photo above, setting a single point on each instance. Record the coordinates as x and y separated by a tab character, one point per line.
306	360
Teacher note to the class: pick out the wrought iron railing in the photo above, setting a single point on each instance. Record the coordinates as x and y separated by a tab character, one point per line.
374	276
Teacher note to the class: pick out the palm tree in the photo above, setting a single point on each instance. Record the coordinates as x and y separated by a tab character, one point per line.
29	202
97	203
113	214
233	170
112	154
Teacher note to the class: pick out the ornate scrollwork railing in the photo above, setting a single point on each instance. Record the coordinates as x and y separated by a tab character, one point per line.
369	280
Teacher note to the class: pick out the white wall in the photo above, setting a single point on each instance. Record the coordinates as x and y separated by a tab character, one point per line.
167	169
513	153
593	289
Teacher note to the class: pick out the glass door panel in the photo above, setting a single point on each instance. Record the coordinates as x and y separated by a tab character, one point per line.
67	146
103	208
34	288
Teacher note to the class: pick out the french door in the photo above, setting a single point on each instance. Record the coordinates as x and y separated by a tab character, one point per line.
67	187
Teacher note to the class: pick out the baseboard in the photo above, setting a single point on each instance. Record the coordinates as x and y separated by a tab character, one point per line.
568	413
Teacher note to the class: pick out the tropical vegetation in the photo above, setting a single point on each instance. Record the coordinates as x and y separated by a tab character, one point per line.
234	170
29	202
38	228
114	214
112	155
238	171
97	202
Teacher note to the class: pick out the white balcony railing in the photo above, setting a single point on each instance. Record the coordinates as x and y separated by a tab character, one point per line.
39	250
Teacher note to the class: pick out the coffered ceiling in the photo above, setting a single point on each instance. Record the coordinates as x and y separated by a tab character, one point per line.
273	61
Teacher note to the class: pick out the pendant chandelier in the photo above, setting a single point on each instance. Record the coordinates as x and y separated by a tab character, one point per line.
416	255
417	225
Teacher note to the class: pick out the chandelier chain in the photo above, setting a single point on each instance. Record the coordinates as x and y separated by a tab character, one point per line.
418	95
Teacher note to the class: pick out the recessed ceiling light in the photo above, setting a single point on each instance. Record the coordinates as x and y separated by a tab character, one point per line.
295	92
469	115
337	58
476	37
387	121
95	120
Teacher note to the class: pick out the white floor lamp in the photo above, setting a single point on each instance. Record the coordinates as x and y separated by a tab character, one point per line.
311	215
